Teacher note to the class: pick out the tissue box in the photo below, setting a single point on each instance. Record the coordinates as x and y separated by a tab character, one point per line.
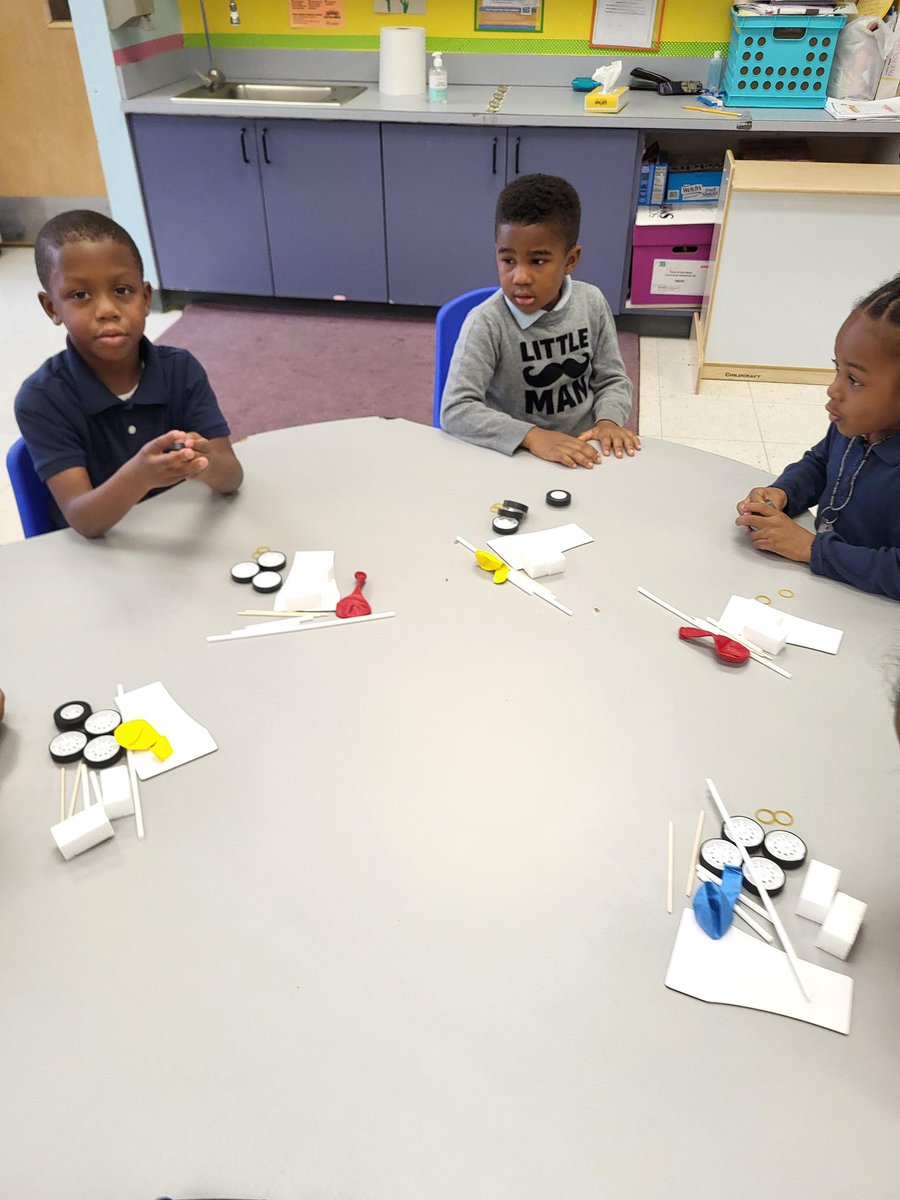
608	102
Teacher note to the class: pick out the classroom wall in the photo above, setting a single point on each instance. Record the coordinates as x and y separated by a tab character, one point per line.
688	28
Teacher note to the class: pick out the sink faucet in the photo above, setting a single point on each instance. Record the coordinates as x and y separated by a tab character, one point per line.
215	77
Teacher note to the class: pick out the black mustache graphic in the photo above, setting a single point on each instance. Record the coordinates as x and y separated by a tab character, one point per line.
553	371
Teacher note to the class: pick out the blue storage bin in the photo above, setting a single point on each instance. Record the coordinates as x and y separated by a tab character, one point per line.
780	61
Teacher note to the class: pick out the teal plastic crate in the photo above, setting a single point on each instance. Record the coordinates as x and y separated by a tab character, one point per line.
780	61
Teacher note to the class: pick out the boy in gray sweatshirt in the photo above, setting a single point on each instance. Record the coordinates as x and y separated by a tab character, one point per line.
537	365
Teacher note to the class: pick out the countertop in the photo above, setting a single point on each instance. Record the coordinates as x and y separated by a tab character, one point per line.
540	106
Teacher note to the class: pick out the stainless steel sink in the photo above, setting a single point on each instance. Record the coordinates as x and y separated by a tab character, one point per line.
311	95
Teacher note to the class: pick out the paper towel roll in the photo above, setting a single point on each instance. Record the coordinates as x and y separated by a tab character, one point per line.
401	60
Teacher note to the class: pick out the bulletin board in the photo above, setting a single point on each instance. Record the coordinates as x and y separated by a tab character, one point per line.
687	29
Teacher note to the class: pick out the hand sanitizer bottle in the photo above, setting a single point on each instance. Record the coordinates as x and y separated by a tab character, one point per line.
437	80
714	76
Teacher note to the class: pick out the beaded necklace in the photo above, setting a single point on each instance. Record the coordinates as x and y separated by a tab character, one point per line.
825	524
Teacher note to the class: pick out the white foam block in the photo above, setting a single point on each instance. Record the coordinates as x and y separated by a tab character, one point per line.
80	832
768	629
537	566
818	892
840	927
115	789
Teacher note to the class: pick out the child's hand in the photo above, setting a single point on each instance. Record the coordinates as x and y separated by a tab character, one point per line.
161	467
612	438
771	530
559	447
772	497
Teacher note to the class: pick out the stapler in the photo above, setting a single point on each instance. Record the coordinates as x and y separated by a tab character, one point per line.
651	82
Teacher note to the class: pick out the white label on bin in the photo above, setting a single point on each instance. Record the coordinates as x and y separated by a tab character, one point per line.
678	276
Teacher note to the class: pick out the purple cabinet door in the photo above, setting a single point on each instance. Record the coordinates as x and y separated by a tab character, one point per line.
201	183
324	205
440	189
602	165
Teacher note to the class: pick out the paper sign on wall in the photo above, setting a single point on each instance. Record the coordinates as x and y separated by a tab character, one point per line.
316	14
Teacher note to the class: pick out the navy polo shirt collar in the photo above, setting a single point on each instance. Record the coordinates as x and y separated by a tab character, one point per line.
95	397
889	450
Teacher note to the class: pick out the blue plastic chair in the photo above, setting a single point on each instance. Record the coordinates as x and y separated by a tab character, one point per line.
448	323
32	495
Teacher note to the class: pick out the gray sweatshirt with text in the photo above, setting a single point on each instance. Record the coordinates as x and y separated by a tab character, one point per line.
564	372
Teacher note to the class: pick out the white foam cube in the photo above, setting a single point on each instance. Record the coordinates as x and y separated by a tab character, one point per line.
840	927
768	630
538	566
80	832
115	787
818	892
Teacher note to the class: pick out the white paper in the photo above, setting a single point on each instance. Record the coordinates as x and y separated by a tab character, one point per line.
310	585
741	611
188	739
624	23
864	110
544	544
739	969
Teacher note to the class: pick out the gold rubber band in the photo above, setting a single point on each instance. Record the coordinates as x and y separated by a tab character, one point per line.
786	593
763	599
769	816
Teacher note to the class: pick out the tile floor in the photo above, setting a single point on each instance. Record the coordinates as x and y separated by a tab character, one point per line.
764	424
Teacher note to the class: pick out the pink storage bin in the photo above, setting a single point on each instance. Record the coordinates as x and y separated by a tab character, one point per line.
669	263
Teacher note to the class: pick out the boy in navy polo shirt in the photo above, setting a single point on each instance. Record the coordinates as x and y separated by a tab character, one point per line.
100	417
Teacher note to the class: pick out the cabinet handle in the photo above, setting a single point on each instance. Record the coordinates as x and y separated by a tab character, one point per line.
265	141
494	158
518	144
244	154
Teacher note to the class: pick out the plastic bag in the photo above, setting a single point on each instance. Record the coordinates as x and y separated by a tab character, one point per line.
859	57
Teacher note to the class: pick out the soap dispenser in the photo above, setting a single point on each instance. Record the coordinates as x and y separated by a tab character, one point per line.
437	80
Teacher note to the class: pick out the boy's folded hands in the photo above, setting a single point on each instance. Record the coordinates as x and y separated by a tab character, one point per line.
577	451
770	528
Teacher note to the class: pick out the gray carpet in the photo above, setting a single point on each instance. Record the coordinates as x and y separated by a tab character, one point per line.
272	366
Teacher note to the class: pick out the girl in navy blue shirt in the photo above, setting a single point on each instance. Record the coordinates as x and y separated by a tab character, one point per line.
853	474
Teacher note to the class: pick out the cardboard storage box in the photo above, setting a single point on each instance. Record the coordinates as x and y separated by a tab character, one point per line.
669	260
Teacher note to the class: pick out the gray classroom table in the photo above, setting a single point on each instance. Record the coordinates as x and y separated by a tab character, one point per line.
403	937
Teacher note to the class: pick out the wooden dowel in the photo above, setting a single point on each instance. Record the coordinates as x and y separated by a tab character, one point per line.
695	850
74	795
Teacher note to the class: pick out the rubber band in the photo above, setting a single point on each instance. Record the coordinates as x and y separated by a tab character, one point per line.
786	593
763	599
769	816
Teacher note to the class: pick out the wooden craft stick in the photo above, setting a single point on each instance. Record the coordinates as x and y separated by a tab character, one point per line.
763	894
74	795
671	865
62	793
135	786
298	612
695	850
86	789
